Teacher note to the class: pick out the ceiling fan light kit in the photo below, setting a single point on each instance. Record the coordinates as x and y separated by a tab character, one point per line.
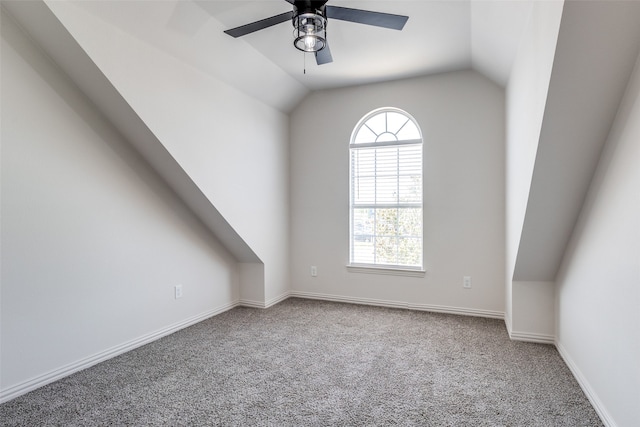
310	32
310	18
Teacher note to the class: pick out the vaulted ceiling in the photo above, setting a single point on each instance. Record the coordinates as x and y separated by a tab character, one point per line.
440	36
588	79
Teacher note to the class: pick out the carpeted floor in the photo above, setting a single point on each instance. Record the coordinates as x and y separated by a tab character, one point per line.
314	363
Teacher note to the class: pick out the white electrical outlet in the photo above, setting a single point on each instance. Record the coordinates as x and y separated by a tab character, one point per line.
314	271
178	291
466	282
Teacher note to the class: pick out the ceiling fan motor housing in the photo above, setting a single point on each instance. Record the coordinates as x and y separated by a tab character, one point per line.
310	27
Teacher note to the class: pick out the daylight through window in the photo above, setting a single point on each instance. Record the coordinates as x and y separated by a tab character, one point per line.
386	191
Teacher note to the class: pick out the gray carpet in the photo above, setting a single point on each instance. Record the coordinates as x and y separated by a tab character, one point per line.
313	363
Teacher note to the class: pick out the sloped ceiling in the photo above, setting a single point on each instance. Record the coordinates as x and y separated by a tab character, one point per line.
587	83
598	44
45	28
440	36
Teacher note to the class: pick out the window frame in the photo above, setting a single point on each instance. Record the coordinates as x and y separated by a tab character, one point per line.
380	268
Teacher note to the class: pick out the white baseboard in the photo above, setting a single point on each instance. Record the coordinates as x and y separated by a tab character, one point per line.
251	303
339	298
264	304
507	323
597	404
34	383
532	337
463	311
527	336
278	299
59	373
400	304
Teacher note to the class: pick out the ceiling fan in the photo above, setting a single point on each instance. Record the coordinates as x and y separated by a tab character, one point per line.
309	18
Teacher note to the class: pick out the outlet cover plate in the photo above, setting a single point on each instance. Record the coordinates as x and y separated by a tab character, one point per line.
466	282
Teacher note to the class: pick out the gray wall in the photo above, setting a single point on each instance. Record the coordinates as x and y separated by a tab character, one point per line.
529	305
92	241
462	118
233	147
598	286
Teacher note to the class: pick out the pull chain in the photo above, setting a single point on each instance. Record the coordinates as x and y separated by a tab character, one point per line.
304	63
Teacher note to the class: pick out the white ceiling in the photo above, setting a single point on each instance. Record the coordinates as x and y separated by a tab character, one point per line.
440	36
578	123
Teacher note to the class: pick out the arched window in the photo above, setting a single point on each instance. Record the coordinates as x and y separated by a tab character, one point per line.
386	191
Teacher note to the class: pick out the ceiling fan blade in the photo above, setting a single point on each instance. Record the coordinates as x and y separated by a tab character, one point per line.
378	19
323	56
259	25
290	1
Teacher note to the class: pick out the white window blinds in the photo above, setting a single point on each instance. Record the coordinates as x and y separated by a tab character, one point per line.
386	191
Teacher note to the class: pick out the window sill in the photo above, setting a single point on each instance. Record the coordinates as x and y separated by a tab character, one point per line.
391	271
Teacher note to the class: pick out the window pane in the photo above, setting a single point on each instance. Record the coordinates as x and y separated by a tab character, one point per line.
386	192
409	131
395	121
387	189
363	252
410	189
386	137
410	222
363	162
386	160
377	123
411	156
364	135
363	190
386	250
386	222
363	220
409	251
